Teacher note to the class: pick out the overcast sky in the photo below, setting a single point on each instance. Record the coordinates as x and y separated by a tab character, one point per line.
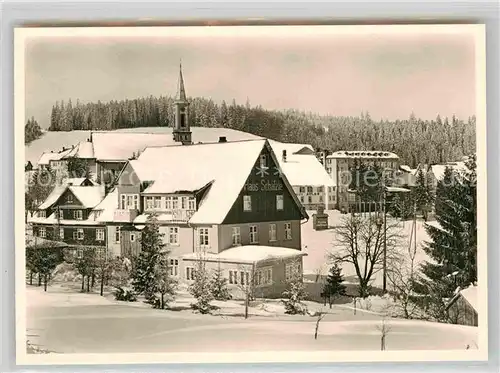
389	75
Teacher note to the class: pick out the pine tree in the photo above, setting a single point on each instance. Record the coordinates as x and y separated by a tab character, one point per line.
219	286
453	244
294	296
201	287
423	193
32	131
333	287
150	273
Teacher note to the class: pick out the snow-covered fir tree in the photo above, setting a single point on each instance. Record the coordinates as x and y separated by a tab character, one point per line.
201	288
423	193
333	287
453	244
218	285
294	296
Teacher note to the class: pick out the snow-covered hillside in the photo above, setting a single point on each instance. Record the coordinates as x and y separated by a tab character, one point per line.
55	141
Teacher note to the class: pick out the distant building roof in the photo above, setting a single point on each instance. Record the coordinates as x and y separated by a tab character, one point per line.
46	157
89	196
438	170
469	294
364	154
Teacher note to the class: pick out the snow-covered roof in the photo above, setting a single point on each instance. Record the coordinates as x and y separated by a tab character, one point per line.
225	166
51	220
78	181
46	157
405	168
89	196
438	170
107	207
84	149
469	294
248	254
301	169
52	197
368	154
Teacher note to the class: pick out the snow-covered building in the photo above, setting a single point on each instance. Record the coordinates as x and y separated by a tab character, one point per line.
306	174
339	164
210	199
462	307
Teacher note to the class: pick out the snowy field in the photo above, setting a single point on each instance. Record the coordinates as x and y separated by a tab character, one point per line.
55	141
318	244
65	321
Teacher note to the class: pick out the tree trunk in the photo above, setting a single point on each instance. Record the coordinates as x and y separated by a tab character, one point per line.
162	304
83	282
88	284
31	278
354	301
44	282
102	284
39	279
246	305
93	280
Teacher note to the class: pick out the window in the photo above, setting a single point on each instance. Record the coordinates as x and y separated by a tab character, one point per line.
43	232
236	236
117	234
263	161
253	234
309	189
41	214
233	277
132	237
309	199
175	203
272	232
244	278
288	231
279	202
78	214
291	270
61	233
247	203
302	199
149	203
203	236
157	202
79	234
183	202
302	189
321	198
320	189
264	276
69	198
99	234
173	235
189	273
174	267
192	203
129	201
168	203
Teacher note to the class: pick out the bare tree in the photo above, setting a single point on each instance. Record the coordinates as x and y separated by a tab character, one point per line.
320	315
384	329
361	243
247	283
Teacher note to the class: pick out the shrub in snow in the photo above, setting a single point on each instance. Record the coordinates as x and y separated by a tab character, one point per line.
125	294
294	295
333	287
201	288
218	286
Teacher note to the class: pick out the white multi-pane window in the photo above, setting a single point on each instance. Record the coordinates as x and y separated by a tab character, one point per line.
129	201
157	202
244	278
174	267
41	214
233	277
79	234
203	236
99	234
288	231
183	202
78	214
279	202
247	203
168	203
190	273
61	233
292	270
173	235
236	235
254	237
175	203
272	232
117	234
149	203
192	203
264	276
42	232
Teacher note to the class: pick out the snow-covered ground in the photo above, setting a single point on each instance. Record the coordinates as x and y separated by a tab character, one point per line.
318	245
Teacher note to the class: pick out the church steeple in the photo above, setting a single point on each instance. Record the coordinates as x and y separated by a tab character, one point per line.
182	129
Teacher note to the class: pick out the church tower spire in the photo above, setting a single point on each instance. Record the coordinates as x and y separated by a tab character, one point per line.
182	129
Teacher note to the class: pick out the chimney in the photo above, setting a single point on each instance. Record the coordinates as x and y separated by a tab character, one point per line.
284	156
222	139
